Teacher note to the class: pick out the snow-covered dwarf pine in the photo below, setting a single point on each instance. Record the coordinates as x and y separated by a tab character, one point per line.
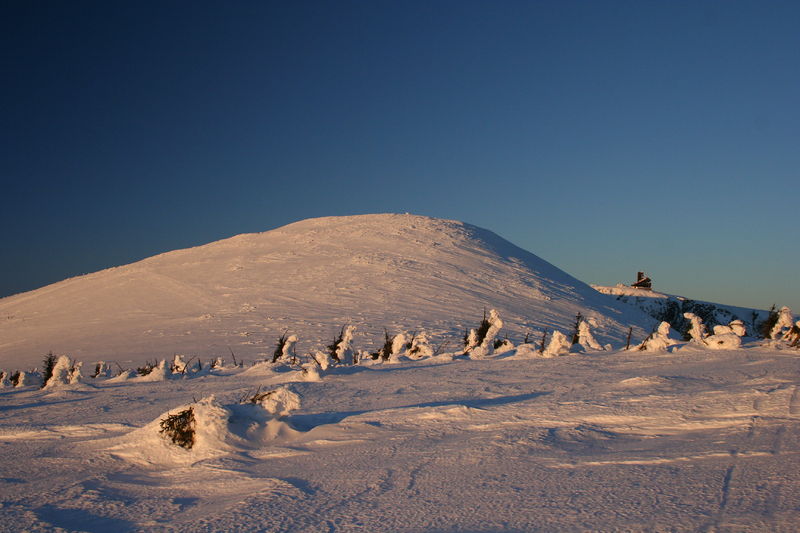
341	349
480	342
559	344
583	340
697	330
419	346
285	350
64	372
783	325
658	340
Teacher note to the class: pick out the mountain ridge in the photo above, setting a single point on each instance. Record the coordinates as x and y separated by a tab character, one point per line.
399	272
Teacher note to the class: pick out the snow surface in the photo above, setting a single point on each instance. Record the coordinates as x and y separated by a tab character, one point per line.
405	273
683	440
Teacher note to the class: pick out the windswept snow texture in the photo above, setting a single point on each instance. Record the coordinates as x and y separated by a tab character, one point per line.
399	272
692	440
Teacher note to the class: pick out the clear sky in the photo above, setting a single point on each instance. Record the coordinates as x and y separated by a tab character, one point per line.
604	136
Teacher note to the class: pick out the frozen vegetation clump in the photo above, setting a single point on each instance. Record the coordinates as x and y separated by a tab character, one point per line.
340	350
480	343
179	428
61	372
582	338
285	349
696	331
559	345
419	346
657	341
278	402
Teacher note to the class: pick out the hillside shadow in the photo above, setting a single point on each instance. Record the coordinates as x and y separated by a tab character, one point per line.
308	422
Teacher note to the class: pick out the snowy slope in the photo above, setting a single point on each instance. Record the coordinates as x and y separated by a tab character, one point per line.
400	272
683	441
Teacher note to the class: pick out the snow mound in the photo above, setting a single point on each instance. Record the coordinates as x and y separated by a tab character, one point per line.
207	429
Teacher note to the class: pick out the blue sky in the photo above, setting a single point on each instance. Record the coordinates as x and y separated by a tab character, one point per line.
605	137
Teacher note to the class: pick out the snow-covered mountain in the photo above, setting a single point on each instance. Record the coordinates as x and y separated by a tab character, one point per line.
399	272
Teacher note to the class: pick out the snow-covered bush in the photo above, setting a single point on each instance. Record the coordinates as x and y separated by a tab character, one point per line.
559	345
277	402
157	372
285	349
4	379
310	372
419	346
723	339
583	340
737	327
658	340
47	368
793	337
63	372
783	324
341	350
386	350
480	342
178	364
102	370
697	331
179	428
146	368
398	347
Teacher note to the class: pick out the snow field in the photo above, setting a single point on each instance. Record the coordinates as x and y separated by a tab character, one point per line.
692	440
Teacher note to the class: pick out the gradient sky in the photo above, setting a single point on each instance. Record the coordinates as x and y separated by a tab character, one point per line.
605	137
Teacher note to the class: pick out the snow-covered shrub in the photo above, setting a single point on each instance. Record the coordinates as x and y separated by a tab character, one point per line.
179	428
62	373
47	368
285	349
658	340
278	402
793	337
419	346
584	338
386	350
178	364
737	327
157	372
765	327
146	368
310	372
559	345
503	346
480	342
4	379
398	347
321	359
102	370
697	331
576	328
723	340
783	324
25	379
74	376
341	350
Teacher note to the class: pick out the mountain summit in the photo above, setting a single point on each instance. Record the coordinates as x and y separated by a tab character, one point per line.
399	272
